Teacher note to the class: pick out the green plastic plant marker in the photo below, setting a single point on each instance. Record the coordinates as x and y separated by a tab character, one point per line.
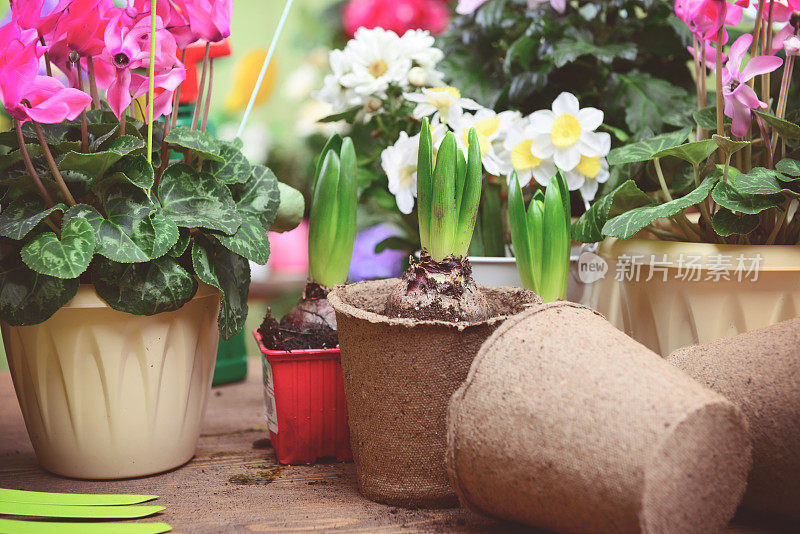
71	499
12	526
83	512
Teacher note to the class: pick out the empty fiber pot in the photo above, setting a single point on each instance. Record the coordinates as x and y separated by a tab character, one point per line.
759	371
399	375
566	423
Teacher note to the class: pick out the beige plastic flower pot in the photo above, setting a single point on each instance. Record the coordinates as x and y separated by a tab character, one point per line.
677	294
106	394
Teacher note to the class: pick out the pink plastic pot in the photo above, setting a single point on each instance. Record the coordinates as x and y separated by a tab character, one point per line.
304	404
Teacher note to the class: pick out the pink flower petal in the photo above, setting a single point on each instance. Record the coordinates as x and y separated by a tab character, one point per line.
760	65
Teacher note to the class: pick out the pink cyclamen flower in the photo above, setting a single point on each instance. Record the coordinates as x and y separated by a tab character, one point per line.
709	52
40	15
740	98
209	20
81	25
175	20
25	94
127	51
705	18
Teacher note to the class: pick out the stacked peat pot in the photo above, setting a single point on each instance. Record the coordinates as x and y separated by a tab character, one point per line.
566	423
406	345
759	371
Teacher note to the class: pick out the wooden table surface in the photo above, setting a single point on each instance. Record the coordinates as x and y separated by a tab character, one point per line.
234	485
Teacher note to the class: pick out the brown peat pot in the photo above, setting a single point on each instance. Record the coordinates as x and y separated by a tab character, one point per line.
399	375
759	371
568	424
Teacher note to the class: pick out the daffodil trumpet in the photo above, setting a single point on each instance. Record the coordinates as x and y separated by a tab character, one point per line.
439	286
332	230
541	237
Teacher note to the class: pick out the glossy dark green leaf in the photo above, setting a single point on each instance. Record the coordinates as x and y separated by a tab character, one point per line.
647	149
576	43
136	169
180	246
728	145
727	223
155	234
629	223
589	228
27	297
651	102
23	214
98	163
204	144
112	236
148	288
727	196
790	167
695	153
707	118
67	257
230	273
784	128
759	181
195	200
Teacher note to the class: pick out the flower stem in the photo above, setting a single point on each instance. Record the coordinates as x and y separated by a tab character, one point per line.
37	181
53	167
200	89
151	93
698	74
718	75
757	32
765	89
165	154
47	66
122	120
767	143
208	94
93	83
84	124
779	225
661	180
176	102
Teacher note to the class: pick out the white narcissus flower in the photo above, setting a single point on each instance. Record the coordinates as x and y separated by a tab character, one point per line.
590	172
566	132
399	162
444	103
376	61
489	126
519	157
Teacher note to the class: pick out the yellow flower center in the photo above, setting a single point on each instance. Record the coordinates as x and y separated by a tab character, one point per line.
452	92
589	167
566	131
406	176
521	157
378	68
485	129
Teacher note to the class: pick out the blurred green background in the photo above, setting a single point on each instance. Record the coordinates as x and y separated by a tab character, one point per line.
254	22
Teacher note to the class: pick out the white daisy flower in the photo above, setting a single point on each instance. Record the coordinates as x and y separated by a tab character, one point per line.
444	103
333	92
567	132
587	176
489	126
418	45
377	60
519	157
399	162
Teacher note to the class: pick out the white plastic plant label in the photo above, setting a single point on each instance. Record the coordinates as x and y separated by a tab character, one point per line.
270	409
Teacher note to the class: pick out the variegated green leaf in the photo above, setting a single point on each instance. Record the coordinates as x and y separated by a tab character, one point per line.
235	170
23	214
249	241
65	258
204	144
195	200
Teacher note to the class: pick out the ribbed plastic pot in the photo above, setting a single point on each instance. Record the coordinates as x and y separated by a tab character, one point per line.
304	404
678	294
106	394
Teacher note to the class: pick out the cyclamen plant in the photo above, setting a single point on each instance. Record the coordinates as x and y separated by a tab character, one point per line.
740	170
95	189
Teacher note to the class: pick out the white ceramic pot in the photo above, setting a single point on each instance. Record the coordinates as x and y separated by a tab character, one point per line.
502	272
106	394
677	294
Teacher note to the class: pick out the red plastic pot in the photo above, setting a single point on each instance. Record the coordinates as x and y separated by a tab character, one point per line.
304	404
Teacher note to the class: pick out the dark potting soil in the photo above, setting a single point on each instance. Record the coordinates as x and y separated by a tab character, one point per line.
309	325
444	291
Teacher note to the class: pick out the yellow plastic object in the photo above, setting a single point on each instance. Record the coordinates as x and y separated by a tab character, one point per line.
244	81
106	394
711	291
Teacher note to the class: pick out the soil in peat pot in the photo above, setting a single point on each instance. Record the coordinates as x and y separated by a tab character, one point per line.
309	325
438	290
